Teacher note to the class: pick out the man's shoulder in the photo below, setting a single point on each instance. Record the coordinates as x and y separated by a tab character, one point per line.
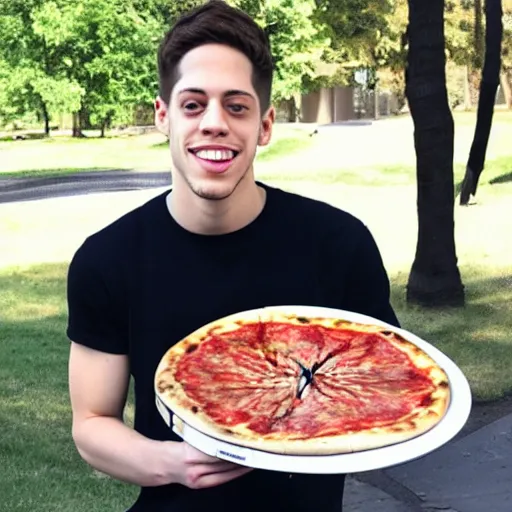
315	213
123	233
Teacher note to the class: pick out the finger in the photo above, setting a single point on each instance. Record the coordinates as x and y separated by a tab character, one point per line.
214	479
194	456
220	467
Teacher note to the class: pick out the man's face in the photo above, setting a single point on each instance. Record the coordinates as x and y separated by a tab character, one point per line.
214	121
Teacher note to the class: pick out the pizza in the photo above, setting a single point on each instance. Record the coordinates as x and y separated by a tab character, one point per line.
279	382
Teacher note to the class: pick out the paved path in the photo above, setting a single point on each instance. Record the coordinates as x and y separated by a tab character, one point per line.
471	474
30	189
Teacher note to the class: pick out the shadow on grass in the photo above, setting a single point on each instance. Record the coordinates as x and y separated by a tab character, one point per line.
40	463
458	188
20	137
504	178
477	337
496	172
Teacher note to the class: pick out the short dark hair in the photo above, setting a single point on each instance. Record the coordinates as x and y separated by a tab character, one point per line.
217	23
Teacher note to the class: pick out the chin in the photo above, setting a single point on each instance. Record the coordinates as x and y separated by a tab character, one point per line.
214	192
216	189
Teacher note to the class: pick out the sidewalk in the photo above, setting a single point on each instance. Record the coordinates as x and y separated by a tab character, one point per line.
472	474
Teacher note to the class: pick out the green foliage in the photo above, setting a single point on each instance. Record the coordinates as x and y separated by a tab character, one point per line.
357	29
459	31
114	58
297	40
94	56
33	77
506	44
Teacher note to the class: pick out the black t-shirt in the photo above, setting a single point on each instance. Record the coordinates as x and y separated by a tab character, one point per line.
143	283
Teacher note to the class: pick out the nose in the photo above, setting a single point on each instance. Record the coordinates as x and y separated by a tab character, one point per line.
214	121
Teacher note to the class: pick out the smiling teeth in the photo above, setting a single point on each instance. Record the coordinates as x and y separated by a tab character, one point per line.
215	155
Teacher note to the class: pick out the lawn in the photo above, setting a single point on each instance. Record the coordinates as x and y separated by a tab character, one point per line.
64	155
40	467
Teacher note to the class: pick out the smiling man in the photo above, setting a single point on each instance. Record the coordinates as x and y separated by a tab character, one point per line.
215	119
217	243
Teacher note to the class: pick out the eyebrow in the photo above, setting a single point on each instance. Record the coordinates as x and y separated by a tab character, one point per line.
227	94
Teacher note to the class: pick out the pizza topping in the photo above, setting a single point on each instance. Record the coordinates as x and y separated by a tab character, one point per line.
304	379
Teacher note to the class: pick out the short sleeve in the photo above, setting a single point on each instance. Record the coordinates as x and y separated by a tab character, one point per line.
354	272
95	308
368	282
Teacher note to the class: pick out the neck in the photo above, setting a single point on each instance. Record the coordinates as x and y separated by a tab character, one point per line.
216	217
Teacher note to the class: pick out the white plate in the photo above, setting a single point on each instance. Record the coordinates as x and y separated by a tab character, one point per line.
455	418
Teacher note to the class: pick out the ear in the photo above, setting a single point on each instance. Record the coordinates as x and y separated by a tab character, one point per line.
267	124
162	116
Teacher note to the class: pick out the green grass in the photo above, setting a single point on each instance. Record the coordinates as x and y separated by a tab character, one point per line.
41	469
49	173
60	155
469	117
477	337
64	153
284	146
495	172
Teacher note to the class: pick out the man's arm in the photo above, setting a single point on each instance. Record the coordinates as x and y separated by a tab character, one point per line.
98	384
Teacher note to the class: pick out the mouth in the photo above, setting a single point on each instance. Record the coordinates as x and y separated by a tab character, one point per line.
215	160
215	155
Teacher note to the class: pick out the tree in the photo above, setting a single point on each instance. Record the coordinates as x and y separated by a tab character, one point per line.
358	29
34	69
297	41
95	58
435	278
488	88
113	58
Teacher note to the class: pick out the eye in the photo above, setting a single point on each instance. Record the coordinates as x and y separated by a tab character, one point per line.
192	107
236	108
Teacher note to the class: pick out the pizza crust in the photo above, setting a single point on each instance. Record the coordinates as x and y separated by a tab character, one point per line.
368	439
185	409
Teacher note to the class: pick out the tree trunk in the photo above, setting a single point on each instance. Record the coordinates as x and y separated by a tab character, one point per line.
475	79
77	131
487	99
435	278
46	117
292	110
479	35
467	91
376	105
506	85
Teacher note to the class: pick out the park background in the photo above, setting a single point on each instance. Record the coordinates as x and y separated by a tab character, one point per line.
77	81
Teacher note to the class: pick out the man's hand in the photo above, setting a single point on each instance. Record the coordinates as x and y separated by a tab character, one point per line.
98	387
197	470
